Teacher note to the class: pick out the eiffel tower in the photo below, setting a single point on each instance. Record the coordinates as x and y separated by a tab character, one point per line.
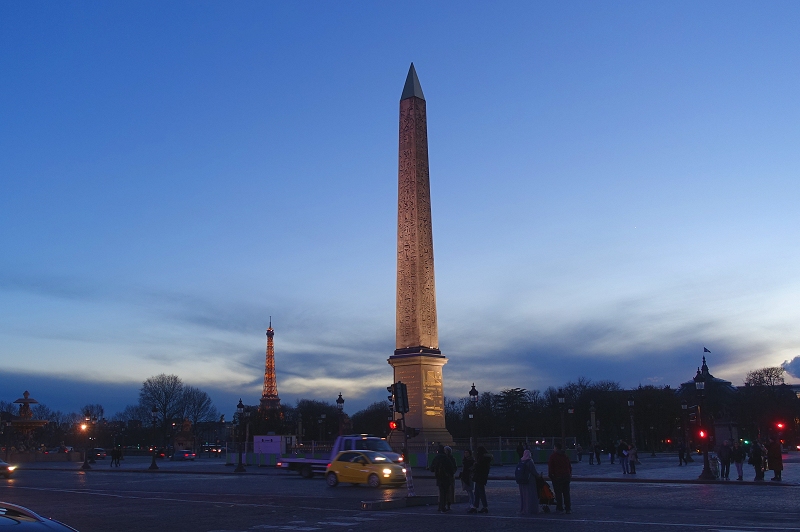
269	396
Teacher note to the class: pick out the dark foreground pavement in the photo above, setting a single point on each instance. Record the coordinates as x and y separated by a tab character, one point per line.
264	499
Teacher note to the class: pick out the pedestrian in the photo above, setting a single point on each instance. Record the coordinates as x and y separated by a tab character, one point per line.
738	454
682	454
597	452
525	475
622	454
483	461
560	472
757	460
441	467
633	456
520	450
724	454
467	478
775	459
612	450
579	451
451	493
591	455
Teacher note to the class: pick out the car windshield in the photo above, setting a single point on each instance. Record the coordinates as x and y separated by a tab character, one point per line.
373	445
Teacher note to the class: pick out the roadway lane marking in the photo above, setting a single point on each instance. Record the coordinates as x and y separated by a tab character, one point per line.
173	499
731	528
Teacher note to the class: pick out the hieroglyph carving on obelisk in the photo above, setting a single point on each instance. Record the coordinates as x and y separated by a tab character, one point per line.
417	361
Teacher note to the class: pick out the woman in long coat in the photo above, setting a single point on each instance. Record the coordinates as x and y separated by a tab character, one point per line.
528	494
483	460
774	459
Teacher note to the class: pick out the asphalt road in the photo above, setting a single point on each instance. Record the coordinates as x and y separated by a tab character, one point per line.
105	500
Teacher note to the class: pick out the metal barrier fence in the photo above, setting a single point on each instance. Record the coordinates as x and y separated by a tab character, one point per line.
419	453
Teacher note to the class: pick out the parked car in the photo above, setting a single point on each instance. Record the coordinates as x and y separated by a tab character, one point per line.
183	454
7	469
97	453
359	467
23	519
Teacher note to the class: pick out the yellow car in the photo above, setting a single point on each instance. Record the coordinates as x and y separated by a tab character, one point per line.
358	467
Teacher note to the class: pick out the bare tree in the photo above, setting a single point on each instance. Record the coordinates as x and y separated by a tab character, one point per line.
165	393
772	376
198	406
137	412
96	411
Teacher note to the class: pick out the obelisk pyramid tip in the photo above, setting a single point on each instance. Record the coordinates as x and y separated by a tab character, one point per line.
412	88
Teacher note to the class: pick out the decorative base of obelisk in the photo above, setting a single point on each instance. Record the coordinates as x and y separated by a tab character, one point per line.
421	372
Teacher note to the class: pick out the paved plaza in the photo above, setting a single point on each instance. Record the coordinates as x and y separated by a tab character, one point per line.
205	495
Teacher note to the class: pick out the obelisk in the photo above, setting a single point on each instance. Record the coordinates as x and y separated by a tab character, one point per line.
417	360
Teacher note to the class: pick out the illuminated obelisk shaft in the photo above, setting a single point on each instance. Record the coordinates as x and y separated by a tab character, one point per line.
417	360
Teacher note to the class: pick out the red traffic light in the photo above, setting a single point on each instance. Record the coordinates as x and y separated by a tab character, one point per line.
780	426
393	425
702	434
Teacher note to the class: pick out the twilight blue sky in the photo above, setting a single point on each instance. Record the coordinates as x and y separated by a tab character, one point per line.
614	185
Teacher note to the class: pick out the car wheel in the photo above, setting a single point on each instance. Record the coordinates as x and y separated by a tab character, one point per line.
374	481
331	479
306	471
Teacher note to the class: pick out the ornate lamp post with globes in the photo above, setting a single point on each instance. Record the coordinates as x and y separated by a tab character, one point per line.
154	421
340	408
633	429
700	385
561	400
240	410
473	399
85	429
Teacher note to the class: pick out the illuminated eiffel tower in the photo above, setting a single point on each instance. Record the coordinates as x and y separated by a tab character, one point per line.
269	397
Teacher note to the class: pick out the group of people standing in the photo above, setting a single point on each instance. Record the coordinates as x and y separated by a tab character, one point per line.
761	457
475	474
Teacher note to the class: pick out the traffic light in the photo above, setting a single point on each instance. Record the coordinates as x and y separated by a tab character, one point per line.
702	434
392	393
411	432
392	425
779	425
401	398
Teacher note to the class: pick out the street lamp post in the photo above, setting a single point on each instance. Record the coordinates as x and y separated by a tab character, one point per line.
473	396
561	400
700	385
593	420
154	420
340	408
653	436
630	410
240	410
85	428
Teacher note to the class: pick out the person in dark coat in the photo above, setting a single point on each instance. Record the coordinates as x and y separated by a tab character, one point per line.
597	452
451	490
775	459
443	469
738	455
467	478
682	454
520	450
757	460
528	494
724	454
483	461
559	469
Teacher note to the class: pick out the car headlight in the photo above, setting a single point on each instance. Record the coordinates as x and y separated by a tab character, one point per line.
387	471
12	467
404	470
